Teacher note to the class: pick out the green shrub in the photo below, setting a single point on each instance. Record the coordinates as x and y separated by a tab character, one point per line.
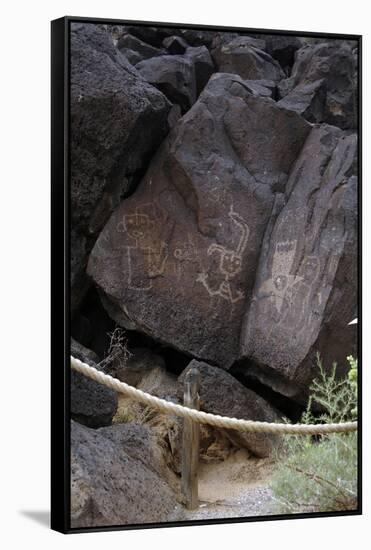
321	475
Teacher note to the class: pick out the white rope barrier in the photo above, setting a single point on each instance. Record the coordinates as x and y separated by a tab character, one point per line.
207	418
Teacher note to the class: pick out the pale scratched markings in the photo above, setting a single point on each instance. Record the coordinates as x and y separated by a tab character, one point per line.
185	251
139	226
289	294
230	263
276	288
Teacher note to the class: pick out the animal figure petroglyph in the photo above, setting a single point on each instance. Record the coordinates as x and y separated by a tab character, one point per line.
230	262
146	258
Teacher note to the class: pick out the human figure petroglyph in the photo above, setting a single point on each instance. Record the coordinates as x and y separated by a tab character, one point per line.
277	287
292	296
146	258
230	262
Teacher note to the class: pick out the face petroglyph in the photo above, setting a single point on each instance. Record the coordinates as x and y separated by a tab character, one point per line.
230	264
136	225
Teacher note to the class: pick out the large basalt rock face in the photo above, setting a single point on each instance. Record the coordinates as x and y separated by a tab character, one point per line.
117	121
240	56
177	259
323	84
222	394
306	286
117	478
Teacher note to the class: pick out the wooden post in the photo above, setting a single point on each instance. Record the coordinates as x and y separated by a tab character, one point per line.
191	441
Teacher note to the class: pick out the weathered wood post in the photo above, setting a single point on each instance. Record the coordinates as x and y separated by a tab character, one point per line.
191	441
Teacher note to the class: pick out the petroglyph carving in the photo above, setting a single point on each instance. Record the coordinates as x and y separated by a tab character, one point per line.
292	295
278	286
146	258
305	299
230	263
186	251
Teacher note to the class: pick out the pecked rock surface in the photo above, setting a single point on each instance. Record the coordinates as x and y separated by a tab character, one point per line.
306	286
323	84
117	121
116	478
221	393
177	259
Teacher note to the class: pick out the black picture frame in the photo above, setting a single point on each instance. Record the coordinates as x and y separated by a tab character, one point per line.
60	271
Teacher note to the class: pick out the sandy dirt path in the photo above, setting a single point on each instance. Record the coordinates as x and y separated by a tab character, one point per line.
237	487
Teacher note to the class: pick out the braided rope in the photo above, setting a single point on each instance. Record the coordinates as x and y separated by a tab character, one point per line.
203	417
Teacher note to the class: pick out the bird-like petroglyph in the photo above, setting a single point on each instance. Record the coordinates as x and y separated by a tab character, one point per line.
230	263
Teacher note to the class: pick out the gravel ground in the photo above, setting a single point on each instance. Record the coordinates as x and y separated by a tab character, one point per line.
250	502
237	487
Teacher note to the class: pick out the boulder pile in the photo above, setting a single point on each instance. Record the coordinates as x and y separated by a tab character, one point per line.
214	212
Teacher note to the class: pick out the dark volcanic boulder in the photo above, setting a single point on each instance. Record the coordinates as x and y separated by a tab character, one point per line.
323	84
91	404
282	48
203	66
116	478
306	287
150	35
222	38
172	74
196	37
175	44
264	88
136	50
246	60
222	394
178	258
146	370
117	121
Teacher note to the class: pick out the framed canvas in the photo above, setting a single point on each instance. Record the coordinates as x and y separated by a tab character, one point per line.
205	274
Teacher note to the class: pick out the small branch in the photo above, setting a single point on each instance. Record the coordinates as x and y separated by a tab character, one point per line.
321	480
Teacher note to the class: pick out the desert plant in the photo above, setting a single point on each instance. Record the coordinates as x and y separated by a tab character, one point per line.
320	475
118	352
